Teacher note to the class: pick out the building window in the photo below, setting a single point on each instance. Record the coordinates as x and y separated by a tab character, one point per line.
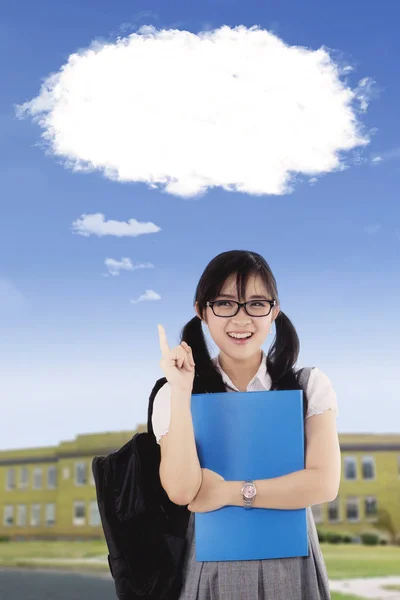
50	514
94	515
333	510
35	515
11	479
352	509
66	472
368	467
21	515
371	506
80	473
79	517
51	477
37	478
8	518
350	467
23	478
316	510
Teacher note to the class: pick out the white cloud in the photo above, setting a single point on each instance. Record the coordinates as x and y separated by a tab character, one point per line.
373	229
393	154
125	264
96	224
147	296
365	92
235	108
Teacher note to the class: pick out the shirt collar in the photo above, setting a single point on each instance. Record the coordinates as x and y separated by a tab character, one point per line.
261	376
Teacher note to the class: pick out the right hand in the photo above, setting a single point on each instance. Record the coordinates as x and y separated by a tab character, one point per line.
177	364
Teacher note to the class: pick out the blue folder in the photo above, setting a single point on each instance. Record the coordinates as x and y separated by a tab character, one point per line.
250	435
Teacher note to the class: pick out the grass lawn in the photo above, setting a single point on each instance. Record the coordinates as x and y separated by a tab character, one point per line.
337	596
11	551
346	561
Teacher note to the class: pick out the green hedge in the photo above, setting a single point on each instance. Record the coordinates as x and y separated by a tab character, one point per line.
334	537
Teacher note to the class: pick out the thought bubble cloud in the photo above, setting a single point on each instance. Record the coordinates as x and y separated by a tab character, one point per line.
233	108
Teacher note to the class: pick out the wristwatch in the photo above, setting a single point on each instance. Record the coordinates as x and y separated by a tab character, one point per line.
249	493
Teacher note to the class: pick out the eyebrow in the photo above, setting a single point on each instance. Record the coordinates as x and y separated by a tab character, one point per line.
231	296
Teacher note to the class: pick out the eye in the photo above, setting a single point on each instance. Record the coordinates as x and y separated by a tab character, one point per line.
223	303
261	303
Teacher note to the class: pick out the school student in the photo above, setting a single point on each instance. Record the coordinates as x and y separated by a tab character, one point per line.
237	301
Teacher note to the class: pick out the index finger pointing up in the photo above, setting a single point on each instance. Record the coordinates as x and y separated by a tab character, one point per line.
163	340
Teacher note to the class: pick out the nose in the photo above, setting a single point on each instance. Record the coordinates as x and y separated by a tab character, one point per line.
244	314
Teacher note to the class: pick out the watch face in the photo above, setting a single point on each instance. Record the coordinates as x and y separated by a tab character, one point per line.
248	491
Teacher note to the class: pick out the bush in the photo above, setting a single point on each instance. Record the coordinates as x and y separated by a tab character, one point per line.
321	535
4	538
333	537
370	539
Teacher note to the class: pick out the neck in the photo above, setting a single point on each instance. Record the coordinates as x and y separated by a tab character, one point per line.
240	372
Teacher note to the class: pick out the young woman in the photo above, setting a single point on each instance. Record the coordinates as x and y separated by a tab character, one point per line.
237	299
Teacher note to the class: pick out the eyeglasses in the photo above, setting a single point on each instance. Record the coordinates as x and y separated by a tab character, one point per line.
230	308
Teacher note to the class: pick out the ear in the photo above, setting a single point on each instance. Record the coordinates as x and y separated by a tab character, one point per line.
196	307
276	312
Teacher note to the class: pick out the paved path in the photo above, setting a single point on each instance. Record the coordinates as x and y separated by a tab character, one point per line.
371	588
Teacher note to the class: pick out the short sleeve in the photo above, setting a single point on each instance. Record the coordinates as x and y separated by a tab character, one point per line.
161	416
320	394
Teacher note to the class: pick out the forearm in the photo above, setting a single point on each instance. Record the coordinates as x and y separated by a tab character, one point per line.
180	469
289	492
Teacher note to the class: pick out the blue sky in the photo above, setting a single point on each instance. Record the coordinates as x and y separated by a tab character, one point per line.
77	355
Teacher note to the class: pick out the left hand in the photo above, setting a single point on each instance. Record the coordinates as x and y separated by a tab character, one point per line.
211	493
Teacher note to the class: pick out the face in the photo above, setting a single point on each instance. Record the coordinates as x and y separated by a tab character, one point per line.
221	327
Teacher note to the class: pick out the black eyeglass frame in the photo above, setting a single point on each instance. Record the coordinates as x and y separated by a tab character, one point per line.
211	303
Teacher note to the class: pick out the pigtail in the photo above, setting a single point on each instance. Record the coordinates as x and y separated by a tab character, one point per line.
284	352
192	334
282	357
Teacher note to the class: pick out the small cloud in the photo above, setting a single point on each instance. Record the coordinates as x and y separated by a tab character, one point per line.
313	180
96	224
347	69
125	264
137	21
365	92
149	295
393	154
358	158
373	229
224	119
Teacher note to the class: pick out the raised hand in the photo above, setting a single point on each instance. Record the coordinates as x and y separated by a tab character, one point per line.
177	364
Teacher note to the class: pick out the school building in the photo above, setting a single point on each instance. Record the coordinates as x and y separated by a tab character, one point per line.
49	492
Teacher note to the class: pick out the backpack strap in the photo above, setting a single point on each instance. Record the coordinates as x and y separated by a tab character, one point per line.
158	385
303	376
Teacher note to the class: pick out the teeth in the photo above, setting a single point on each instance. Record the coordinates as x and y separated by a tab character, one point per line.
240	336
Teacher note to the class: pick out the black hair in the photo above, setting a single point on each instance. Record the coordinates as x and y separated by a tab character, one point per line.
284	351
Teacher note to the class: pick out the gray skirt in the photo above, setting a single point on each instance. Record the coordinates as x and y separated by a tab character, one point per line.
298	578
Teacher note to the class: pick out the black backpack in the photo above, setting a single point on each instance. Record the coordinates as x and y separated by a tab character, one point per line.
145	532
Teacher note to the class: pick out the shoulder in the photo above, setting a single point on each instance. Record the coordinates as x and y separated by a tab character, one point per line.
321	395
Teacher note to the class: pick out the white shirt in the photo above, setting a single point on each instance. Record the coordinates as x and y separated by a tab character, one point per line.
320	394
